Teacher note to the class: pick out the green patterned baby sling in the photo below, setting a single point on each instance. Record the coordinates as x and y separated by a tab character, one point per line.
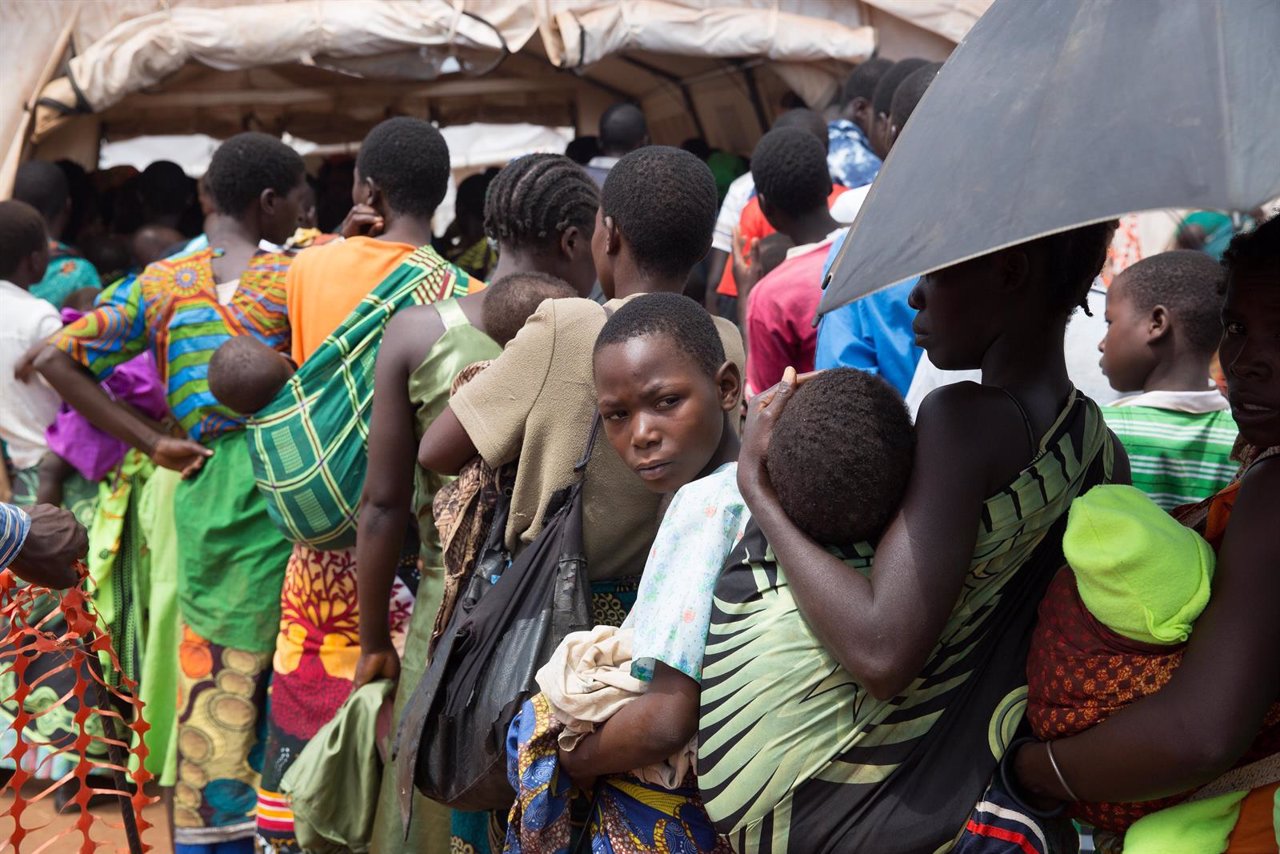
310	444
794	757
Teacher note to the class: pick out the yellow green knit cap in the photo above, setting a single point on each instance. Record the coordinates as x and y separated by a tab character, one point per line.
1139	572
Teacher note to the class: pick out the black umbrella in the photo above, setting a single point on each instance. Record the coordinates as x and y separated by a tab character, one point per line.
1058	113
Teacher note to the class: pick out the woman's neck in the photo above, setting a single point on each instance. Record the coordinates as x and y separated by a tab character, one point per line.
411	230
1024	363
514	260
230	234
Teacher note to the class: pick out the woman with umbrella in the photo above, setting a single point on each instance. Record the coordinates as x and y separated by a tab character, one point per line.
934	634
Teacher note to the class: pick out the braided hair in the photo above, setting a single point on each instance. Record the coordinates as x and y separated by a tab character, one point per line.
536	198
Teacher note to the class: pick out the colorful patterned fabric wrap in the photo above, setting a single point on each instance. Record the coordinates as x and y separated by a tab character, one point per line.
1079	673
314	665
172	307
629	816
309	445
795	756
221	696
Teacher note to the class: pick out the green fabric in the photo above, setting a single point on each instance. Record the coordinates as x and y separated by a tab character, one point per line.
1196	827
309	445
460	345
430	827
159	634
1175	457
118	562
1139	572
80	496
332	817
782	725
67	273
231	558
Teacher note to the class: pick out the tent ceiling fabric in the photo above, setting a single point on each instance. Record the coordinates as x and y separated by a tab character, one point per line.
586	36
328	70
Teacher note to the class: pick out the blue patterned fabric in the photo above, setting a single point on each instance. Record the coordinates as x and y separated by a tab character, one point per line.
14	525
627	815
849	155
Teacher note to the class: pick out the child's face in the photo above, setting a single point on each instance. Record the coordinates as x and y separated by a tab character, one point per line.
662	413
1250	355
1126	360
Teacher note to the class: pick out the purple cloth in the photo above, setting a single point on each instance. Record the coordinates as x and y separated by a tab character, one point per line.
92	452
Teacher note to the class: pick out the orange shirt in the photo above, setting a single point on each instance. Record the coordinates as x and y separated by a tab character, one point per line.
325	284
753	226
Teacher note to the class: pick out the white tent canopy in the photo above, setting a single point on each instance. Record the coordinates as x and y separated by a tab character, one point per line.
327	70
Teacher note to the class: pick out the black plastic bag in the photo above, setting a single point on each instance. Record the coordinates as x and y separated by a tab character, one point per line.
451	743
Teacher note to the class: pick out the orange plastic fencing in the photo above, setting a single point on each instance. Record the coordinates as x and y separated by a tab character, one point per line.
81	640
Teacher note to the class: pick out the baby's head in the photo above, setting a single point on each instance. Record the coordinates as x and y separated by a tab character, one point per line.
1163	309
245	374
514	297
840	456
666	391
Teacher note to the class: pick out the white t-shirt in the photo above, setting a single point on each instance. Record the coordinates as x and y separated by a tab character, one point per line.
26	409
735	199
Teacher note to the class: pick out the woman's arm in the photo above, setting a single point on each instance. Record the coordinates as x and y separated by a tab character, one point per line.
446	447
648	730
385	503
882	628
83	394
1204	719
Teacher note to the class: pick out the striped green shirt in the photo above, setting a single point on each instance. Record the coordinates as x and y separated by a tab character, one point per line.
1179	443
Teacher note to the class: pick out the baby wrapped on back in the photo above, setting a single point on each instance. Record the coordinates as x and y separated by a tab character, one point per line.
1113	627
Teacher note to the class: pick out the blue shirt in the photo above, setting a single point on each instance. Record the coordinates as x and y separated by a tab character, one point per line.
849	155
872	333
14	525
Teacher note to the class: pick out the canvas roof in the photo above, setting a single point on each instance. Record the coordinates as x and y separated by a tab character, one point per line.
327	70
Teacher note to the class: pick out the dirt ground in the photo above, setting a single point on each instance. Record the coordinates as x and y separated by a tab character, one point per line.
46	827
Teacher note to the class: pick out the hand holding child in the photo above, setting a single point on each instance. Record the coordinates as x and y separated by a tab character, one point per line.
762	415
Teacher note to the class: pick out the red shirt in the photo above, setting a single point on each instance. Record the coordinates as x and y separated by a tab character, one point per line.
780	312
753	226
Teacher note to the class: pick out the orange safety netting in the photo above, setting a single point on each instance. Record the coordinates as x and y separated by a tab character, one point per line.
79	643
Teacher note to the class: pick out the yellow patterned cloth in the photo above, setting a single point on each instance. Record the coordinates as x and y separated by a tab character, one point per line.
220	693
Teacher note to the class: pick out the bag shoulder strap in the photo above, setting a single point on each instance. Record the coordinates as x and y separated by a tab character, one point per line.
581	465
452	314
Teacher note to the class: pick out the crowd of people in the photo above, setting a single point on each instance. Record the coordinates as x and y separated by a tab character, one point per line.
298	438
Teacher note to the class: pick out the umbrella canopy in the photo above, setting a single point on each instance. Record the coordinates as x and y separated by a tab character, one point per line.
1054	115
